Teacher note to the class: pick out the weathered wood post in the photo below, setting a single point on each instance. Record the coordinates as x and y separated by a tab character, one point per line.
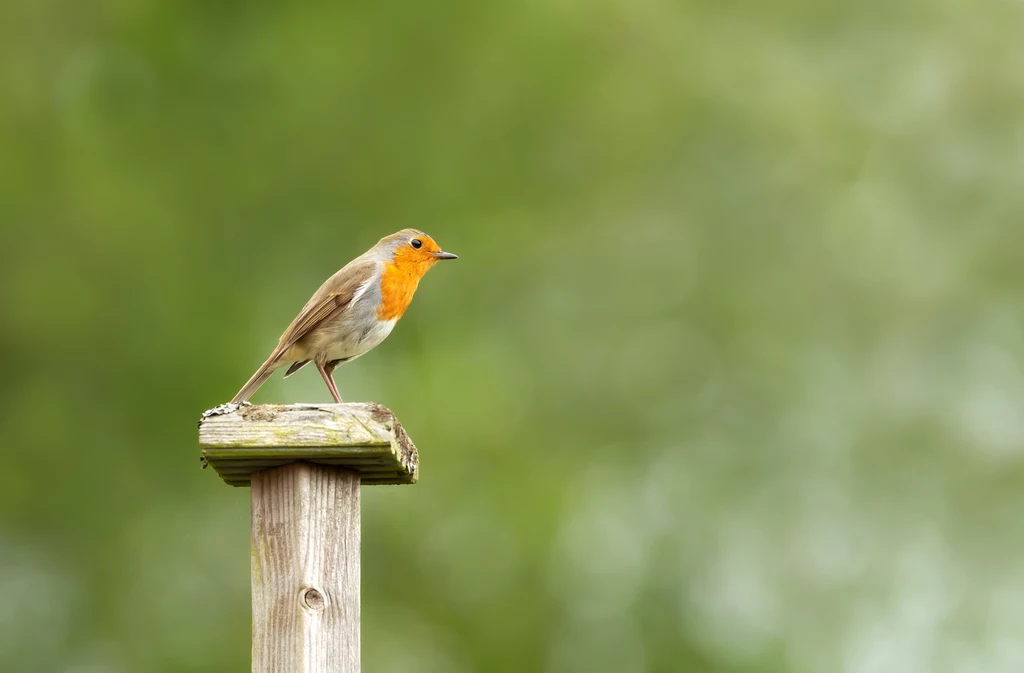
305	463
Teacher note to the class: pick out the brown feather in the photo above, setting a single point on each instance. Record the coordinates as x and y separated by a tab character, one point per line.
330	300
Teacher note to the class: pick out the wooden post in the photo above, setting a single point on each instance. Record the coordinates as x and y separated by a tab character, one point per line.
305	463
305	569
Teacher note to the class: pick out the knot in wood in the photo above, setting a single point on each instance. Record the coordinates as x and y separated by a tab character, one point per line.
313	599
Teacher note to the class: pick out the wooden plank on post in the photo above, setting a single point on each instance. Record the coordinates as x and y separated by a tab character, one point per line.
238	440
305	464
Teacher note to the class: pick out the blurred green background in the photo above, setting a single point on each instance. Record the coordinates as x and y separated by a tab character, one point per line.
727	379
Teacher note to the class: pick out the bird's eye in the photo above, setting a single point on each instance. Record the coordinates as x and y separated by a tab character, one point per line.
416	243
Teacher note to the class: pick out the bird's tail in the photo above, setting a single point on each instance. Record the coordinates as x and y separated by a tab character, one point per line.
257	380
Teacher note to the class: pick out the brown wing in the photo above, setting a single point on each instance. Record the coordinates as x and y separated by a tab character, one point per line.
331	299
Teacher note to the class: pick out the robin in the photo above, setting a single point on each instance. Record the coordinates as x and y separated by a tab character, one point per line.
353	311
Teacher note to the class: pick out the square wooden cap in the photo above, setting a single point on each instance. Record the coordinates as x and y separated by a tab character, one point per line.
239	440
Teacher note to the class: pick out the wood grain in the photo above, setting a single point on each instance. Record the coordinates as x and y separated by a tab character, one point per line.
305	570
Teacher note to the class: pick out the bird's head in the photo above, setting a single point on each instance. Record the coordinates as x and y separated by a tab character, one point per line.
412	250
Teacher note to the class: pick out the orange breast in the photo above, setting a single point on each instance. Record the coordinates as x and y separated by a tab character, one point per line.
397	286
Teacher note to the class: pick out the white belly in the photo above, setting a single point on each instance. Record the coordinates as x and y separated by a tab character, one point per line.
350	349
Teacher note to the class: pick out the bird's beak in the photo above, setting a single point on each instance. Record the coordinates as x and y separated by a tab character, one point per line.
445	255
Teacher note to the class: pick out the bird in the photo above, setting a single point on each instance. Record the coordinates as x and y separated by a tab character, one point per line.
353	311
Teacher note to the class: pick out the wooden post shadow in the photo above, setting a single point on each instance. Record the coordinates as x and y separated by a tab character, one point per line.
304	464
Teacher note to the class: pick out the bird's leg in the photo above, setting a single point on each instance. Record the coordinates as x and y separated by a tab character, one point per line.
326	370
329	368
